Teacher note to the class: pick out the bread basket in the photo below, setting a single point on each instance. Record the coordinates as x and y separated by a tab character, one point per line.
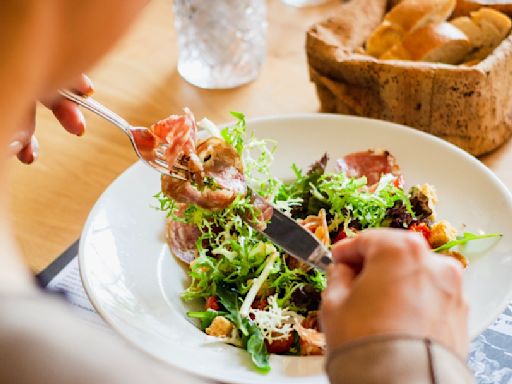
469	106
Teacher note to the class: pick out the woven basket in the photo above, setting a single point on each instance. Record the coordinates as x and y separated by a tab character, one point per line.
468	106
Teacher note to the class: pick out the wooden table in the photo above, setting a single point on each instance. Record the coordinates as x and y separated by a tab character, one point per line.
51	199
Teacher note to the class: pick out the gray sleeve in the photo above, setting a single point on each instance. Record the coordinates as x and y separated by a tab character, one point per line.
396	360
42	340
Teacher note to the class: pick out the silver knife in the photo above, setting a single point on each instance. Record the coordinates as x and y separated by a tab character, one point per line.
289	235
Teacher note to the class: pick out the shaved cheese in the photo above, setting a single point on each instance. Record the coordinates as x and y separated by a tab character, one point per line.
257	284
275	323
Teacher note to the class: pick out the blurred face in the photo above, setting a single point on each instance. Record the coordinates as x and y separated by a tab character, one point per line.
84	31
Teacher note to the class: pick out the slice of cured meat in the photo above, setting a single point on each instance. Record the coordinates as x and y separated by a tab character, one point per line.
223	164
372	164
182	238
179	132
220	182
312	342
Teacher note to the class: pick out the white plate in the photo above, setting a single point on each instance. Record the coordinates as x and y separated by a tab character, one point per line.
135	284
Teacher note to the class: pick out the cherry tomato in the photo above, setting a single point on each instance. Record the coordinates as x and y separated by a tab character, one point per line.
399	181
421	228
340	236
260	304
280	346
212	303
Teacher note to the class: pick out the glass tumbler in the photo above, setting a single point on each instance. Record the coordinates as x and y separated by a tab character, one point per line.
222	43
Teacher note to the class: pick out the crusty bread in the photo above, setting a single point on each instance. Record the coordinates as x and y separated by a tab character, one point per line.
383	38
439	43
406	17
414	14
470	29
465	7
468	106
486	29
494	25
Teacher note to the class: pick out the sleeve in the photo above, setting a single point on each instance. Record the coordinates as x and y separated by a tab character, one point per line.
42	340
396	360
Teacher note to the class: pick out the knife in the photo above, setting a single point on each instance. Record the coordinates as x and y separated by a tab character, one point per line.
289	235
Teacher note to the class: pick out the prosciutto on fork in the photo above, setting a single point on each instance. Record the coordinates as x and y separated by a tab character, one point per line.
215	169
179	132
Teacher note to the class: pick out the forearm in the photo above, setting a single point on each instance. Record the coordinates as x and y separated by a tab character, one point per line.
25	50
396	360
14	276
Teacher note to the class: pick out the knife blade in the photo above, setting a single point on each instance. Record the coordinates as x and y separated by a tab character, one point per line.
290	236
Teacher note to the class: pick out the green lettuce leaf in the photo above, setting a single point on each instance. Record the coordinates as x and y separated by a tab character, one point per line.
464	239
255	345
252	338
229	299
206	317
235	134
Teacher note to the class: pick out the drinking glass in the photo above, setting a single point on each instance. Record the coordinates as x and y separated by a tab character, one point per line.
222	43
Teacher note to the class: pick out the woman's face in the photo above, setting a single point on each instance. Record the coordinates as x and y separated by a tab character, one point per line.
85	31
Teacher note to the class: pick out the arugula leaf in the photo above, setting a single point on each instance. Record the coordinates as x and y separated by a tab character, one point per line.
229	299
206	317
464	239
252	337
255	344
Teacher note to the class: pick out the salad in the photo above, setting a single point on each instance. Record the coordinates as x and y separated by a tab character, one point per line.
256	296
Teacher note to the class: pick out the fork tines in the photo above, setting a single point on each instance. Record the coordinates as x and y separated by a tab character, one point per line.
180	171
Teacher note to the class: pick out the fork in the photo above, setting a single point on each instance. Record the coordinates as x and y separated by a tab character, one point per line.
279	228
142	140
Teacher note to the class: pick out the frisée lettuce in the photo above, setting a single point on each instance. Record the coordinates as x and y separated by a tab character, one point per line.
258	297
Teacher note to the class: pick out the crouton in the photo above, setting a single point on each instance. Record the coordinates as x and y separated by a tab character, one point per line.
441	233
220	327
457	256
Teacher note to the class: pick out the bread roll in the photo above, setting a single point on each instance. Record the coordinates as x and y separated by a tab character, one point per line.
472	31
406	17
465	7
486	29
441	43
470	107
495	25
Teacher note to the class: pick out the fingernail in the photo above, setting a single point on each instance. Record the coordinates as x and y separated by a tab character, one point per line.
26	156
35	148
30	152
90	87
83	124
15	147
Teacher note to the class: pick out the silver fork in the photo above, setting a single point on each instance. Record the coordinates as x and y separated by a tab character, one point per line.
279	228
154	156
